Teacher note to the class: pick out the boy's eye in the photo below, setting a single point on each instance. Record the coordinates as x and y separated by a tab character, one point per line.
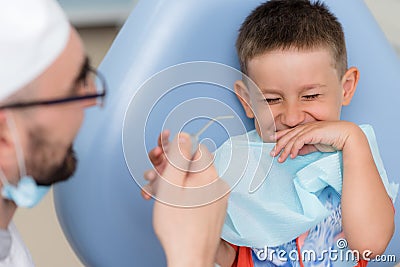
311	97
272	101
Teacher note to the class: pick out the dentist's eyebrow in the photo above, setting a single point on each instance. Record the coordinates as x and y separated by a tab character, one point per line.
84	69
81	74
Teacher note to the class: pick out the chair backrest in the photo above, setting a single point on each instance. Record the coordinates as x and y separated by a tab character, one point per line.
100	209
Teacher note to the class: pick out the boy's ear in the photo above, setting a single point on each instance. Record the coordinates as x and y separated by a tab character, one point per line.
349	84
242	92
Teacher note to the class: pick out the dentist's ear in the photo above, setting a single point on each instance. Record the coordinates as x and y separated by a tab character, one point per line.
8	157
242	92
349	84
7	151
5	135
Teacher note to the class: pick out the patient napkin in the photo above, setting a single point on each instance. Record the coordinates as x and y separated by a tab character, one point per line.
286	203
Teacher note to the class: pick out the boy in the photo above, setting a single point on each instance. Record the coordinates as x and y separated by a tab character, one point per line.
295	52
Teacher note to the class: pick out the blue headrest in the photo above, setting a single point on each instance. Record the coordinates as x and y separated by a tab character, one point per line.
100	208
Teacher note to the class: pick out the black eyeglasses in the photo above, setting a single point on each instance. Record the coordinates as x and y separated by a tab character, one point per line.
94	87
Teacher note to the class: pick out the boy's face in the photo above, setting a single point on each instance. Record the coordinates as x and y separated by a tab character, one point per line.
299	87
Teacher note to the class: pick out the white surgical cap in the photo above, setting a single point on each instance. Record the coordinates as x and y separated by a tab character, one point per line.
33	33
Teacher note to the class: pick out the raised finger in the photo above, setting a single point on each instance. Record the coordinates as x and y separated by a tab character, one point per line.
163	139
150	175
155	155
281	141
147	192
287	150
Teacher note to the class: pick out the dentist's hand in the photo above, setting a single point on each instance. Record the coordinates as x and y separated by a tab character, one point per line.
190	205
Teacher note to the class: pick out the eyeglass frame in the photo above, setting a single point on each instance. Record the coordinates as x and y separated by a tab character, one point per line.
89	70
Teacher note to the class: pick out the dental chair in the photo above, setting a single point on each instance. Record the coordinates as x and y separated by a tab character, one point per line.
100	209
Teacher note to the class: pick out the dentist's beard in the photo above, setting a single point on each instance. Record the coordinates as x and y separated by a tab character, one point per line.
61	172
43	165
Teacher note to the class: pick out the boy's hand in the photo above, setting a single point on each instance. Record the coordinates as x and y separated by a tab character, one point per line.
157	154
324	136
158	159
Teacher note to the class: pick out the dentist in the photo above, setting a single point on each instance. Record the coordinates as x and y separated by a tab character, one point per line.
46	82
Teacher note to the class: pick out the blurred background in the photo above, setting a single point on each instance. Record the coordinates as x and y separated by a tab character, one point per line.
98	22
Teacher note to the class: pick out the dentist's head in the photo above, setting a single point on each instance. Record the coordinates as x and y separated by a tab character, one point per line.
46	82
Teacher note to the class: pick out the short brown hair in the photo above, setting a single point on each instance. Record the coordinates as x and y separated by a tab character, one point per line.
287	24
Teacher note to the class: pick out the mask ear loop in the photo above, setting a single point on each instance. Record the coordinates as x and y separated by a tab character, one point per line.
18	148
3	178
4	181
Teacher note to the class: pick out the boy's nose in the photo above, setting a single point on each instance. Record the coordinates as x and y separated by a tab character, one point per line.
292	116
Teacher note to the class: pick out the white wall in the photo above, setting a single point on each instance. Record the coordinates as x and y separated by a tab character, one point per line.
387	14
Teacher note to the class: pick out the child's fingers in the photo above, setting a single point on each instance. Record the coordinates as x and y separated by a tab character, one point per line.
278	135
303	139
288	150
163	139
282	139
150	175
157	158
299	138
147	192
307	149
155	155
290	141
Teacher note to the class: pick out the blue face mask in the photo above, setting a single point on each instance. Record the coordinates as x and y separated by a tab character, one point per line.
26	193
